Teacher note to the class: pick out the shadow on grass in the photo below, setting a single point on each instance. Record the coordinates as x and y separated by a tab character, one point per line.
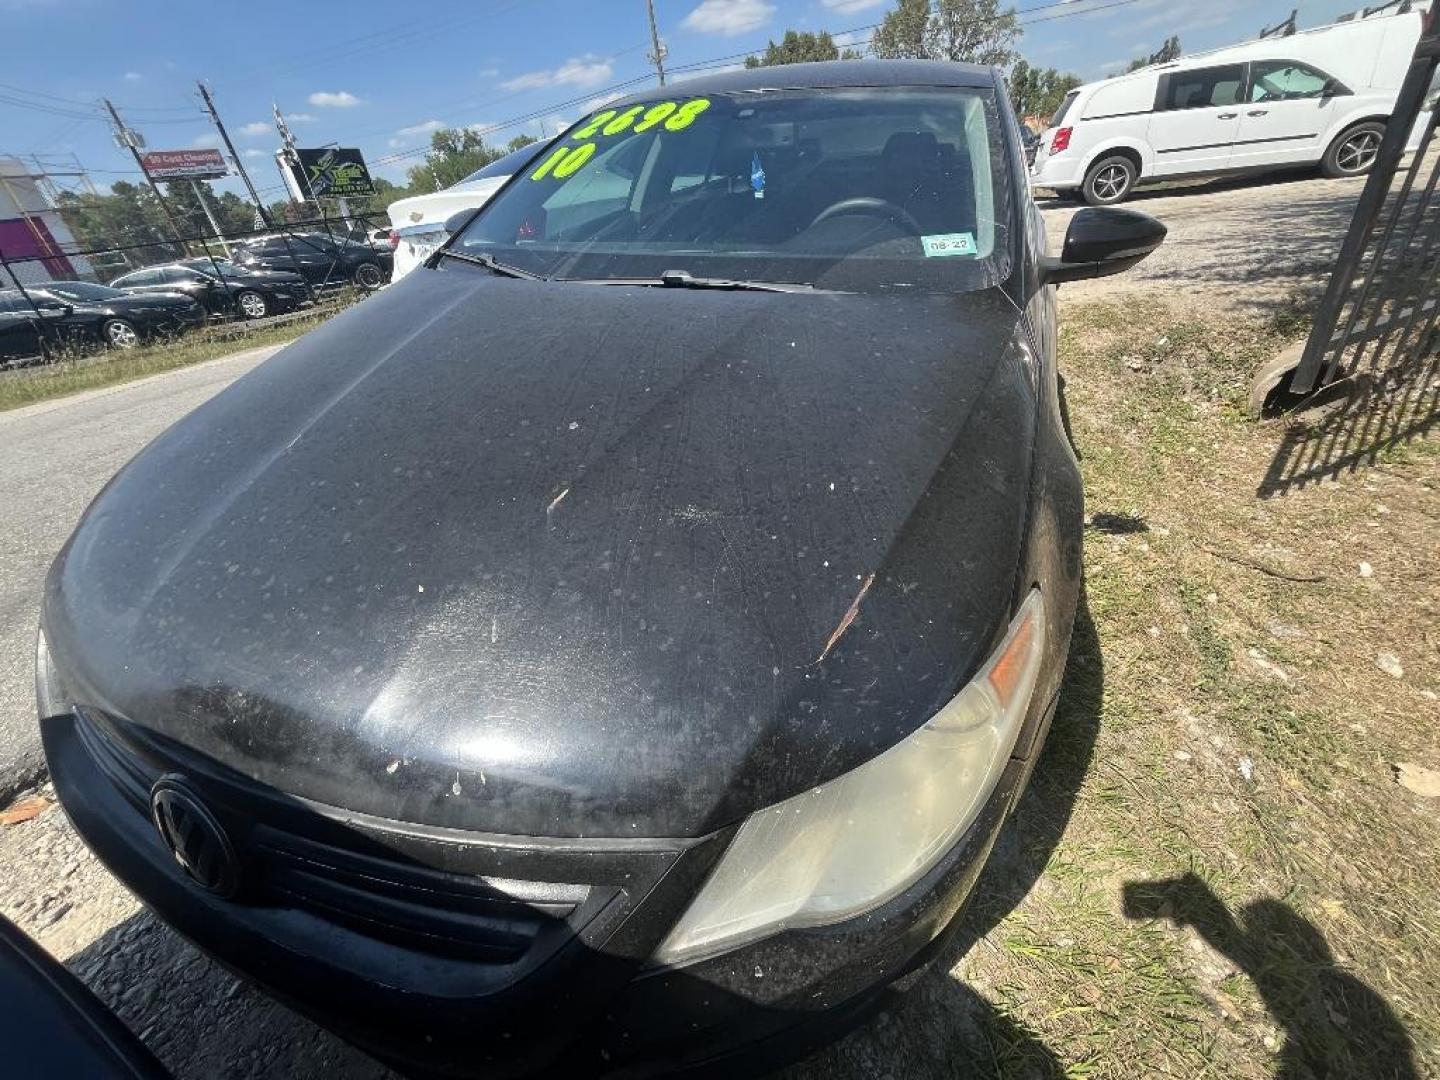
1335	1025
1350	424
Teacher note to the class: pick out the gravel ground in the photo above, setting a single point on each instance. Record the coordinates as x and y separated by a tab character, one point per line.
58	455
1242	244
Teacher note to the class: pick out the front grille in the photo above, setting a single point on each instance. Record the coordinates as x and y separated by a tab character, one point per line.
455	895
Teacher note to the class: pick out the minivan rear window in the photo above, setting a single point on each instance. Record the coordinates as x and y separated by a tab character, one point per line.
1059	117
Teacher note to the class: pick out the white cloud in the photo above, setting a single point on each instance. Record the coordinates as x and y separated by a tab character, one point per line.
488	73
133	76
253	153
340	99
299	118
577	71
850	7
853	38
209	139
425	127
729	17
255	127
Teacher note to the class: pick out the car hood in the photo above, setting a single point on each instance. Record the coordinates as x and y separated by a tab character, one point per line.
563	559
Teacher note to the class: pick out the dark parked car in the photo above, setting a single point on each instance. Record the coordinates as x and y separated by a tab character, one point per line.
617	645
223	288
323	260
80	314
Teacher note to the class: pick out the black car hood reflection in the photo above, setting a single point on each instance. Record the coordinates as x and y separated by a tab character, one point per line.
563	560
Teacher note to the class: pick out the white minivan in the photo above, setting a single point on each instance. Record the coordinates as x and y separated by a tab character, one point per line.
1318	97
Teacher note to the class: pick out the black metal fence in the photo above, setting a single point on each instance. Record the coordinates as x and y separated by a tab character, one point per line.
330	254
1372	351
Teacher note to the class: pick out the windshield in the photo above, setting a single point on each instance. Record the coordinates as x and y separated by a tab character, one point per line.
854	189
508	165
81	290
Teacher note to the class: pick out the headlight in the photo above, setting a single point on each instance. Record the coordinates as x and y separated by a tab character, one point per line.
49	698
848	846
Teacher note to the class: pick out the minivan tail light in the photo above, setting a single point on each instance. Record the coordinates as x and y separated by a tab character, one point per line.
394	239
1060	140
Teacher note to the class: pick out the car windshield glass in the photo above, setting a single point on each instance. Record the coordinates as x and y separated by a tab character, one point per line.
507	165
854	189
81	290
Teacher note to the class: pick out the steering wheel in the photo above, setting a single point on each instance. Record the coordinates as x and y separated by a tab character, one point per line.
870	206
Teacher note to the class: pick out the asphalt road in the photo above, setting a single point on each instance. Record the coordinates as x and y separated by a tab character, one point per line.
57	456
1236	244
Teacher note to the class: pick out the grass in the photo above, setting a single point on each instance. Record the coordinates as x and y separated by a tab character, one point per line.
1215	872
77	372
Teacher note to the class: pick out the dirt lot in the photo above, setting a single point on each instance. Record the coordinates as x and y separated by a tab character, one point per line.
1217	869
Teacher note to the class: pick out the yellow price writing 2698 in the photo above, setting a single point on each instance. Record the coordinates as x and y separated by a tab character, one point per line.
567	160
674	115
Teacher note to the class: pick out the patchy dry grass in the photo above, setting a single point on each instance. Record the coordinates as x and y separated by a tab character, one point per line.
1214	872
87	372
1245	740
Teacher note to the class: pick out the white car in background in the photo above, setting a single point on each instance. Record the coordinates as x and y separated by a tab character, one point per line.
1318	97
417	224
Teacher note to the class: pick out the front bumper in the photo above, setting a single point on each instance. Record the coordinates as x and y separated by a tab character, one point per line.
557	984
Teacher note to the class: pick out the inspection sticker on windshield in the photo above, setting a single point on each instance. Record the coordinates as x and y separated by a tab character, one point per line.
953	243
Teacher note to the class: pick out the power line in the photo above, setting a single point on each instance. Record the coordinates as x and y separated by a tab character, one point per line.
1073	10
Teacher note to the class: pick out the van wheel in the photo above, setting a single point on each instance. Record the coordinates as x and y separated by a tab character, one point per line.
1354	150
1108	181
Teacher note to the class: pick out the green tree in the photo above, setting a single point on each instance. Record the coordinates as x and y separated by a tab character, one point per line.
128	216
1169	50
801	48
1038	91
454	154
973	31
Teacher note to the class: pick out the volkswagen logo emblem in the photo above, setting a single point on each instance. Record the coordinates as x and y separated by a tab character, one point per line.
194	837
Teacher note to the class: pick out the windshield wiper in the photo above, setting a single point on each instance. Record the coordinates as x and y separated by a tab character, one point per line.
683	279
489	263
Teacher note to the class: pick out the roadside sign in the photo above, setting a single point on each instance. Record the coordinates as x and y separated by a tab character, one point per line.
184	164
333	173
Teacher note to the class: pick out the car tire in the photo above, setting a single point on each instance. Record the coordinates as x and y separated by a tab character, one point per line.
1109	181
252	305
368	276
1353	151
120	334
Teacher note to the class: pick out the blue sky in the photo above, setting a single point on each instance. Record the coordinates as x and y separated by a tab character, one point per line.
383	75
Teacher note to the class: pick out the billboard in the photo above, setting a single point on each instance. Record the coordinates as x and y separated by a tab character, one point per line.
333	173
184	164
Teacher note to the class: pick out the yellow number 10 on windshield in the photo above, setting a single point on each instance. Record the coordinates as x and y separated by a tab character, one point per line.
567	160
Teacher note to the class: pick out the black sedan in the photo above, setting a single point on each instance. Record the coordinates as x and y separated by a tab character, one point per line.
323	260
224	289
60	315
617	645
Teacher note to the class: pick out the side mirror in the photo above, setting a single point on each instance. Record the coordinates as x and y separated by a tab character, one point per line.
1330	89
1100	241
458	220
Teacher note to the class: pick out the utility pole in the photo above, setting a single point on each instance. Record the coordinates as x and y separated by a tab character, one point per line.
200	198
132	141
657	57
234	157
